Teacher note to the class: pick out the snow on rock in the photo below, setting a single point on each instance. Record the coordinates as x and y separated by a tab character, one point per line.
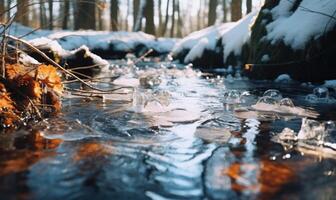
46	43
297	28
198	41
95	40
234	38
100	39
27	60
97	60
112	41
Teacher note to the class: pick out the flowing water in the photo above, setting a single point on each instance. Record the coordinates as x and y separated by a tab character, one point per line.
176	133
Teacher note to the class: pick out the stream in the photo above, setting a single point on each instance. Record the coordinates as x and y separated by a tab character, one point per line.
177	133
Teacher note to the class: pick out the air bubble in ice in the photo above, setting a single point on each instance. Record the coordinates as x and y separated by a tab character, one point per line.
232	96
275	94
150	81
229	78
321	92
286	102
312	98
267	100
247	97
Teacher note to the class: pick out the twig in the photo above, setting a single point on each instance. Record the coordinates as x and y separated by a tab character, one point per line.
143	56
55	64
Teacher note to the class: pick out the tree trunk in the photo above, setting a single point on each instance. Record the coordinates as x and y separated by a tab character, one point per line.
2	10
66	13
149	15
165	25
9	12
43	16
199	16
114	15
127	15
179	21
138	21
172	30
85	13
51	17
248	6
22	14
136	8
160	16
225	11
100	20
236	10
212	12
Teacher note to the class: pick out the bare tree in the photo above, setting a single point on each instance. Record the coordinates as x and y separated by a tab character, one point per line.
136	8
160	15
199	16
2	10
179	20
66	13
248	6
225	11
8	6
99	15
85	13
43	15
114	15
172	30
236	10
22	14
212	12
165	25
51	15
149	15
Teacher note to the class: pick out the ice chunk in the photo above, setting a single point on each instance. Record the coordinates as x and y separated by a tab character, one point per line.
275	94
287	134
311	129
150	80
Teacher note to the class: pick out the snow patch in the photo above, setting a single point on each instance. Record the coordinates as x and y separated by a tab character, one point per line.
299	27
234	38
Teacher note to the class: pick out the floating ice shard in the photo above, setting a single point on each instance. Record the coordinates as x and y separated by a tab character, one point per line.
314	137
287	134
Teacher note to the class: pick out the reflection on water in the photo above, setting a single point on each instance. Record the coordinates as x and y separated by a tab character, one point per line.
176	135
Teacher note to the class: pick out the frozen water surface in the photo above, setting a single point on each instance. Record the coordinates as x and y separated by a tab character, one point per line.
174	134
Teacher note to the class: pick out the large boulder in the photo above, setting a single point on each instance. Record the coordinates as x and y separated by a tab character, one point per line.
289	37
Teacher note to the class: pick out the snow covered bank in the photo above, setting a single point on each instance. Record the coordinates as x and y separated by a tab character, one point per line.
284	37
222	40
297	38
104	43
